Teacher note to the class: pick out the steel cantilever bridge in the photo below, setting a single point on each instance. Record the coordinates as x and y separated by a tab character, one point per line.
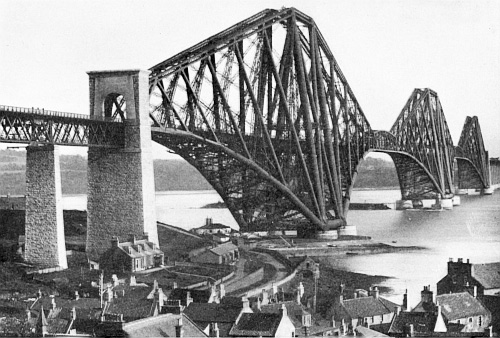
264	112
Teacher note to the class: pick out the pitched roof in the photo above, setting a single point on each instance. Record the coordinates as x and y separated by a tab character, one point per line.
256	325
162	326
133	305
225	315
139	248
366	332
224	249
460	305
366	307
198	296
487	274
423	322
212	226
212	312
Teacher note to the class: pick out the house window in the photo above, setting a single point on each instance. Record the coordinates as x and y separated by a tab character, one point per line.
480	321
470	319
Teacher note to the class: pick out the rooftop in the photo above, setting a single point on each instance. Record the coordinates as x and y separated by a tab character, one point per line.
162	326
198	296
460	305
214	226
368	307
224	249
487	274
256	324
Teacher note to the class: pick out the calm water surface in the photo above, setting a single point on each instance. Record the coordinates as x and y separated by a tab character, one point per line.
471	230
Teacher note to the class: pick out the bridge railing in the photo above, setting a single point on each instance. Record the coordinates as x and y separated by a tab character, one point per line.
45	112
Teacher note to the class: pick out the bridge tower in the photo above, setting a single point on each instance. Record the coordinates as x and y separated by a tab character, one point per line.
44	226
121	195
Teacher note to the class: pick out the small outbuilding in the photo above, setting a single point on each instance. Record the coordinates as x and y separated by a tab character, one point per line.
211	228
226	253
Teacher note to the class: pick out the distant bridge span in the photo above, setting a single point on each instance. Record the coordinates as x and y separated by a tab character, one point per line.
264	112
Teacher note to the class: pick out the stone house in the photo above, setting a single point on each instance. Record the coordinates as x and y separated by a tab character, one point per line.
226	253
217	319
133	255
464	276
363	311
211	228
457	315
464	308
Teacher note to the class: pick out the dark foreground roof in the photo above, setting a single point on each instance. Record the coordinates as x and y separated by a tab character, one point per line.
256	325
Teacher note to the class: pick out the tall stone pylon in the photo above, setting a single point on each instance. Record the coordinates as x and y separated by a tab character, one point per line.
121	194
44	226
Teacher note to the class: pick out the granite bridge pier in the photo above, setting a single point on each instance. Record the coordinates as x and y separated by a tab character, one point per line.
266	115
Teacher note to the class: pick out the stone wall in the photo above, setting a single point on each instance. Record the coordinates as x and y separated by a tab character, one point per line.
121	195
45	245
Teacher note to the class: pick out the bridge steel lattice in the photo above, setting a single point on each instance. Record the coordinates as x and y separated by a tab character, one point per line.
264	112
40	126
472	158
421	147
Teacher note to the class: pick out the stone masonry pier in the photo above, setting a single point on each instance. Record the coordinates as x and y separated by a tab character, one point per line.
121	196
45	245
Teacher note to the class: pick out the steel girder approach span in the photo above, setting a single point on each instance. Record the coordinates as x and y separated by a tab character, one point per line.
264	112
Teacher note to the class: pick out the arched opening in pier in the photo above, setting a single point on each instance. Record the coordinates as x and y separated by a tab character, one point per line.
115	107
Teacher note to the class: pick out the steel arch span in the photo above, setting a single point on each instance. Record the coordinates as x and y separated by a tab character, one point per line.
264	112
472	157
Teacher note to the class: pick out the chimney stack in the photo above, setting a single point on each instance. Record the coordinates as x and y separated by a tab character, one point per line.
77	295
53	302
475	291
215	330
222	291
405	301
397	310
374	292
189	300
73	313
179	331
246	304
265	297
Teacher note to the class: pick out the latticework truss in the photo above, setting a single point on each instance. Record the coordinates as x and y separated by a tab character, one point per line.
472	158
264	112
422	135
35	126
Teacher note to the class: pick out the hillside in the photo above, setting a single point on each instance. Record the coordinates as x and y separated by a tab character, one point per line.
169	174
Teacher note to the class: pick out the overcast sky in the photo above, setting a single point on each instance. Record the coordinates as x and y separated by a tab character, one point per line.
384	48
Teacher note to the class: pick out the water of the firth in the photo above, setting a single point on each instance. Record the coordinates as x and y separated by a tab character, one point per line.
471	230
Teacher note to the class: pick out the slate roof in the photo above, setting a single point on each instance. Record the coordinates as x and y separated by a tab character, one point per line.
460	305
367	307
423	322
214	226
366	332
212	312
223	249
256	325
162	326
139	248
203	314
134	305
199	296
487	274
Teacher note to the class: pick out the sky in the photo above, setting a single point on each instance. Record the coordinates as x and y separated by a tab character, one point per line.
385	49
